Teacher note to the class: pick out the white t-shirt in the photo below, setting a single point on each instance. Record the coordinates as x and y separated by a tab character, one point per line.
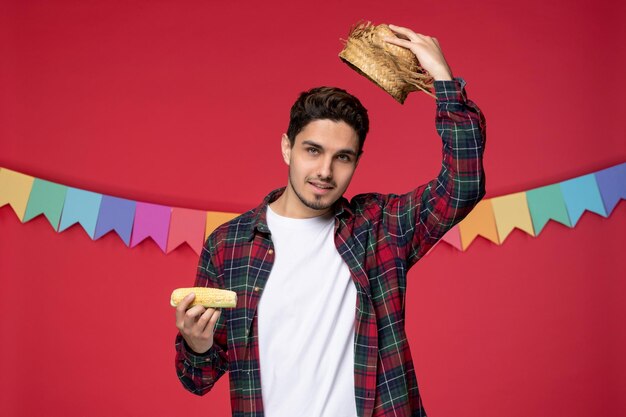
306	323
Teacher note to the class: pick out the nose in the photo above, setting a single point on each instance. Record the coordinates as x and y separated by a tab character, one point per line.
325	169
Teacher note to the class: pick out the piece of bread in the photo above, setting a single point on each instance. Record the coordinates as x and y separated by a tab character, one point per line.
207	297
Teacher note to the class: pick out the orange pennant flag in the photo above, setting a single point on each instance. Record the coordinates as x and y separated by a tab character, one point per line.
511	211
214	219
186	225
15	190
481	222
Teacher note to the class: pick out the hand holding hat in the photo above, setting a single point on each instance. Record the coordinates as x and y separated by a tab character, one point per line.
397	59
426	50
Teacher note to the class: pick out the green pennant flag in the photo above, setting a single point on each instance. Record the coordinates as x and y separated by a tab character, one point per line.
46	198
546	203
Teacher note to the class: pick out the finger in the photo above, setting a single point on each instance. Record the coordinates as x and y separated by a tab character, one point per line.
182	307
397	41
405	31
203	320
192	315
210	327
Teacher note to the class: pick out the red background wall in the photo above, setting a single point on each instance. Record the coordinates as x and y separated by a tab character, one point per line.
183	104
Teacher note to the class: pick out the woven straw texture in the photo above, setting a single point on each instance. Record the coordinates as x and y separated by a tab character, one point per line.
393	68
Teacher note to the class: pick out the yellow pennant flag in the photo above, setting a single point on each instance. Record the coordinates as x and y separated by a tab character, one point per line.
511	211
15	190
480	221
214	219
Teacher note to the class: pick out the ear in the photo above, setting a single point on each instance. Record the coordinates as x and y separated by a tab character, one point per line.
285	146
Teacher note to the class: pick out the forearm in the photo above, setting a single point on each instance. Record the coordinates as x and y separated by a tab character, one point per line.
460	184
434	208
461	126
199	372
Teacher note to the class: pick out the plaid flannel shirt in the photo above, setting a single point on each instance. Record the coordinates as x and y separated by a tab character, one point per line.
379	237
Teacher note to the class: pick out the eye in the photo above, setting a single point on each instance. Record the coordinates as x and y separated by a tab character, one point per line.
344	158
313	151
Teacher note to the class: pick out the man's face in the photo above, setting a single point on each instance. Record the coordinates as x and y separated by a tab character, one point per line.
321	163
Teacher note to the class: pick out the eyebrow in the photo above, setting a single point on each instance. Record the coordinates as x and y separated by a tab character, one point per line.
341	151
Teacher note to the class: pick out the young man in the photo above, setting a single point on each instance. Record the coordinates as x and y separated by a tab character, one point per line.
318	329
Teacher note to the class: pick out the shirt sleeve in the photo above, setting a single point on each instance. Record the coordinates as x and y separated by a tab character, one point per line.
419	218
199	372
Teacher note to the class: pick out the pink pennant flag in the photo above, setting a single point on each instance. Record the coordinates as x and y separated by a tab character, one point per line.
151	220
453	237
186	225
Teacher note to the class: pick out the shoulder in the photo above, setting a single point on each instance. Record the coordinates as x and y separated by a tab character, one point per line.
374	205
370	201
233	230
366	204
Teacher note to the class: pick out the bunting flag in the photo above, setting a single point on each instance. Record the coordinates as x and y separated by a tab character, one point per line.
81	207
46	198
15	190
188	226
546	203
453	238
479	222
116	214
170	227
510	212
612	185
582	194
151	220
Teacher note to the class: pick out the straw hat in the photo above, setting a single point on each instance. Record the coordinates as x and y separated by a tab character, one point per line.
393	68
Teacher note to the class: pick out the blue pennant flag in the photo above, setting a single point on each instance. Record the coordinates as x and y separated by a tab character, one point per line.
582	194
81	207
116	214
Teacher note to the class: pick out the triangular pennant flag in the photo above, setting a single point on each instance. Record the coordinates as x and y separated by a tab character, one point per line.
582	194
15	190
453	237
214	219
479	221
612	185
546	203
80	207
116	214
151	220
186	225
511	211
46	198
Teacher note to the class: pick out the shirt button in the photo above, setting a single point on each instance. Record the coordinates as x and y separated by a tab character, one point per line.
271	251
256	289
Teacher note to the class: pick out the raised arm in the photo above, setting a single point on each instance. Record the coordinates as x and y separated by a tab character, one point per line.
418	219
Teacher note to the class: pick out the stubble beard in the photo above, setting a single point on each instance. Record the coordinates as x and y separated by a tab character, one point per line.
318	204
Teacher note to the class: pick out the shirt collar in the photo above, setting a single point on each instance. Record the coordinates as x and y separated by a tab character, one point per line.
259	214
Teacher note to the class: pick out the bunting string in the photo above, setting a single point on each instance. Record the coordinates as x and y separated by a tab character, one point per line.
170	227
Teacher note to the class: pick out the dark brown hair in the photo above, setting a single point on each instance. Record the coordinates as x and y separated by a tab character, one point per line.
328	103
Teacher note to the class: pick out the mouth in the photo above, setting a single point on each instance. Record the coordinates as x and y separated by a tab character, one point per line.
321	187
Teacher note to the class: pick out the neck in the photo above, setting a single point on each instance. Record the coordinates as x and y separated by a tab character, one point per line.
289	205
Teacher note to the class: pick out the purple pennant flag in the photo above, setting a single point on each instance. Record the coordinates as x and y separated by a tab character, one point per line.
116	214
612	185
151	220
